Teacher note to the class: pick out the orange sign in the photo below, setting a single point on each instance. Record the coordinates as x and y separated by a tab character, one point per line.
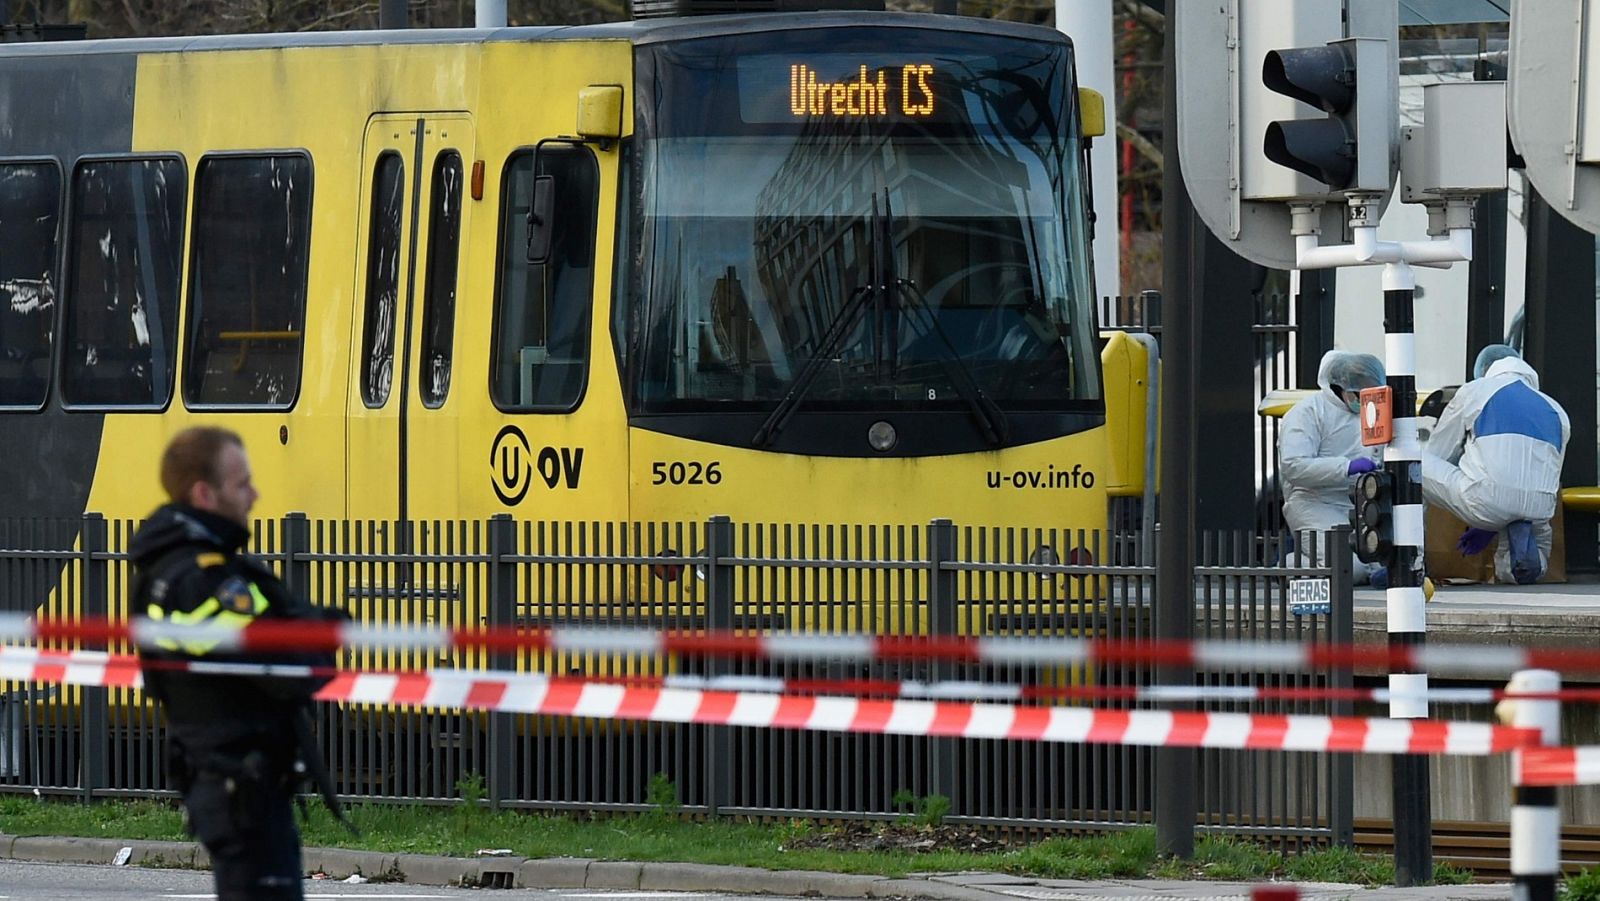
1377	416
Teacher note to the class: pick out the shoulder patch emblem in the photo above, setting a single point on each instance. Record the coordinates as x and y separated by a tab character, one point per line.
234	595
209	559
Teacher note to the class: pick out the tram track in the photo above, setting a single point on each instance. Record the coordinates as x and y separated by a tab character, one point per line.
1482	848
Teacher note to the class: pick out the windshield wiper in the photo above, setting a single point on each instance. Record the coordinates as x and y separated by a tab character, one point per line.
839	328
844	322
988	414
883	286
991	419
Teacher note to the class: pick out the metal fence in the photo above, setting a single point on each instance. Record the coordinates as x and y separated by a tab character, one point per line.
1276	348
940	578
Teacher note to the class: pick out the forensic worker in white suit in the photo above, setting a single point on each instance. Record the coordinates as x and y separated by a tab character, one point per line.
1494	461
1320	451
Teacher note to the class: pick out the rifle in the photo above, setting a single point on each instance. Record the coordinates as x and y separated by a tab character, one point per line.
314	770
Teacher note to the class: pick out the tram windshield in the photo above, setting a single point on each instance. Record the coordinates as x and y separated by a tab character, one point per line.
882	218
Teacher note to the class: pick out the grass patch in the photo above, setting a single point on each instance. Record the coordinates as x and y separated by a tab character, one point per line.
1340	865
1117	855
662	835
1219	857
150	820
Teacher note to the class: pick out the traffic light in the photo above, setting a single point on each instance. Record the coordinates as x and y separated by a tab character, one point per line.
1351	148
1372	520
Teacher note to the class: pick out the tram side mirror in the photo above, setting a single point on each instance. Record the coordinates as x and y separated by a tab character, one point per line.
600	113
540	213
1091	113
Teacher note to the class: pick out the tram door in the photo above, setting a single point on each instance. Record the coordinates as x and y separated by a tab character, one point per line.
401	424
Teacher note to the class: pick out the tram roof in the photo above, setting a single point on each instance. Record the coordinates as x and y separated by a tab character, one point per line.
644	31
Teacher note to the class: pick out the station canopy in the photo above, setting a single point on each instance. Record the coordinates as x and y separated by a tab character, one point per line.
1453	12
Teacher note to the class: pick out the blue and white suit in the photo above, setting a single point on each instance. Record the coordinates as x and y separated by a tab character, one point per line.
1495	457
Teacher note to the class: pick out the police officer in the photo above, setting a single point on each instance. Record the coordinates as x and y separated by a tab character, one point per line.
237	745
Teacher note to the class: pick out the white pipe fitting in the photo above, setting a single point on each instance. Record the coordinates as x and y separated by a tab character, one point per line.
1368	250
1367	243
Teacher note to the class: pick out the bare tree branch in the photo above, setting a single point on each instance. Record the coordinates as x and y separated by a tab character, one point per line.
1142	145
1144	15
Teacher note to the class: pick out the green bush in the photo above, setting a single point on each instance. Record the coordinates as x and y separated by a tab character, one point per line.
663	796
1583	887
927	810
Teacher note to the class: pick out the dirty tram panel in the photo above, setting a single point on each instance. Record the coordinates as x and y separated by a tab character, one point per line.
439	292
807	270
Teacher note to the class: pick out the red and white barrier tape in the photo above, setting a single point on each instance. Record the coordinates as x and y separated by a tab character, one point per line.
536	694
1558	766
23	663
277	635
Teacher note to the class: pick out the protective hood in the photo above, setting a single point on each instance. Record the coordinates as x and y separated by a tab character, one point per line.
1515	366
1325	370
179	525
1350	371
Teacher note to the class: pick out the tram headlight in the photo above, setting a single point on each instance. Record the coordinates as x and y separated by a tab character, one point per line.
1044	555
882	437
667	571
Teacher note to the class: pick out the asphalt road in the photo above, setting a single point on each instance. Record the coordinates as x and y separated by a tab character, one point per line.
58	882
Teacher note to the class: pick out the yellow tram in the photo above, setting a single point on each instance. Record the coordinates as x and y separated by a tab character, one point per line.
821	267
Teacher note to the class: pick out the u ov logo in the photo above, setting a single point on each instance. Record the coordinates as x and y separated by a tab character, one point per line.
512	465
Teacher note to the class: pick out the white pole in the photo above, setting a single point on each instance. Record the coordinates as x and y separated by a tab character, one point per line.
1535	814
1089	24
490	13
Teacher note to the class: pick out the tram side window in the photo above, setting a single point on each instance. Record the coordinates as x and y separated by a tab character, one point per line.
30	211
247	284
383	279
444	250
125	250
540	357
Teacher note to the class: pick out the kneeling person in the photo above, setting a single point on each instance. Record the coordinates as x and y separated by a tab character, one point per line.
1494	461
1320	451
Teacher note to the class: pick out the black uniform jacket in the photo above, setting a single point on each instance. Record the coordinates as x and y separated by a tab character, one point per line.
190	569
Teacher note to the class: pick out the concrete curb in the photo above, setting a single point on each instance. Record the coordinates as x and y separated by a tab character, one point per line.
507	872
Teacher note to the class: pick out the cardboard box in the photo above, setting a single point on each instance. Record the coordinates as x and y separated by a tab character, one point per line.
1442	530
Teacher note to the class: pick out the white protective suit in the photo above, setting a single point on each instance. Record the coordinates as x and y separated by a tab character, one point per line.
1495	457
1320	436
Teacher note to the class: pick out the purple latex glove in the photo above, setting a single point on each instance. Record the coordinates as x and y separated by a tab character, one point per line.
1360	465
1473	541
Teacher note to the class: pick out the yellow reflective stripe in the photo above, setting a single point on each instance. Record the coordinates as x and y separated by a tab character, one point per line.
209	610
260	600
155	612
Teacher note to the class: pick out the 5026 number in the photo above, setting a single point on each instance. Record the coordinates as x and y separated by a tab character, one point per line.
691	473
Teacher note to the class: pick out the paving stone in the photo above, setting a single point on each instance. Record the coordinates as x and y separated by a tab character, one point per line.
613	874
52	849
980	879
423	869
553	872
340	863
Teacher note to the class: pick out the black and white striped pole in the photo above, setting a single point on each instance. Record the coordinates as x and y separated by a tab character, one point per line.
1399	546
1405	599
1535	815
